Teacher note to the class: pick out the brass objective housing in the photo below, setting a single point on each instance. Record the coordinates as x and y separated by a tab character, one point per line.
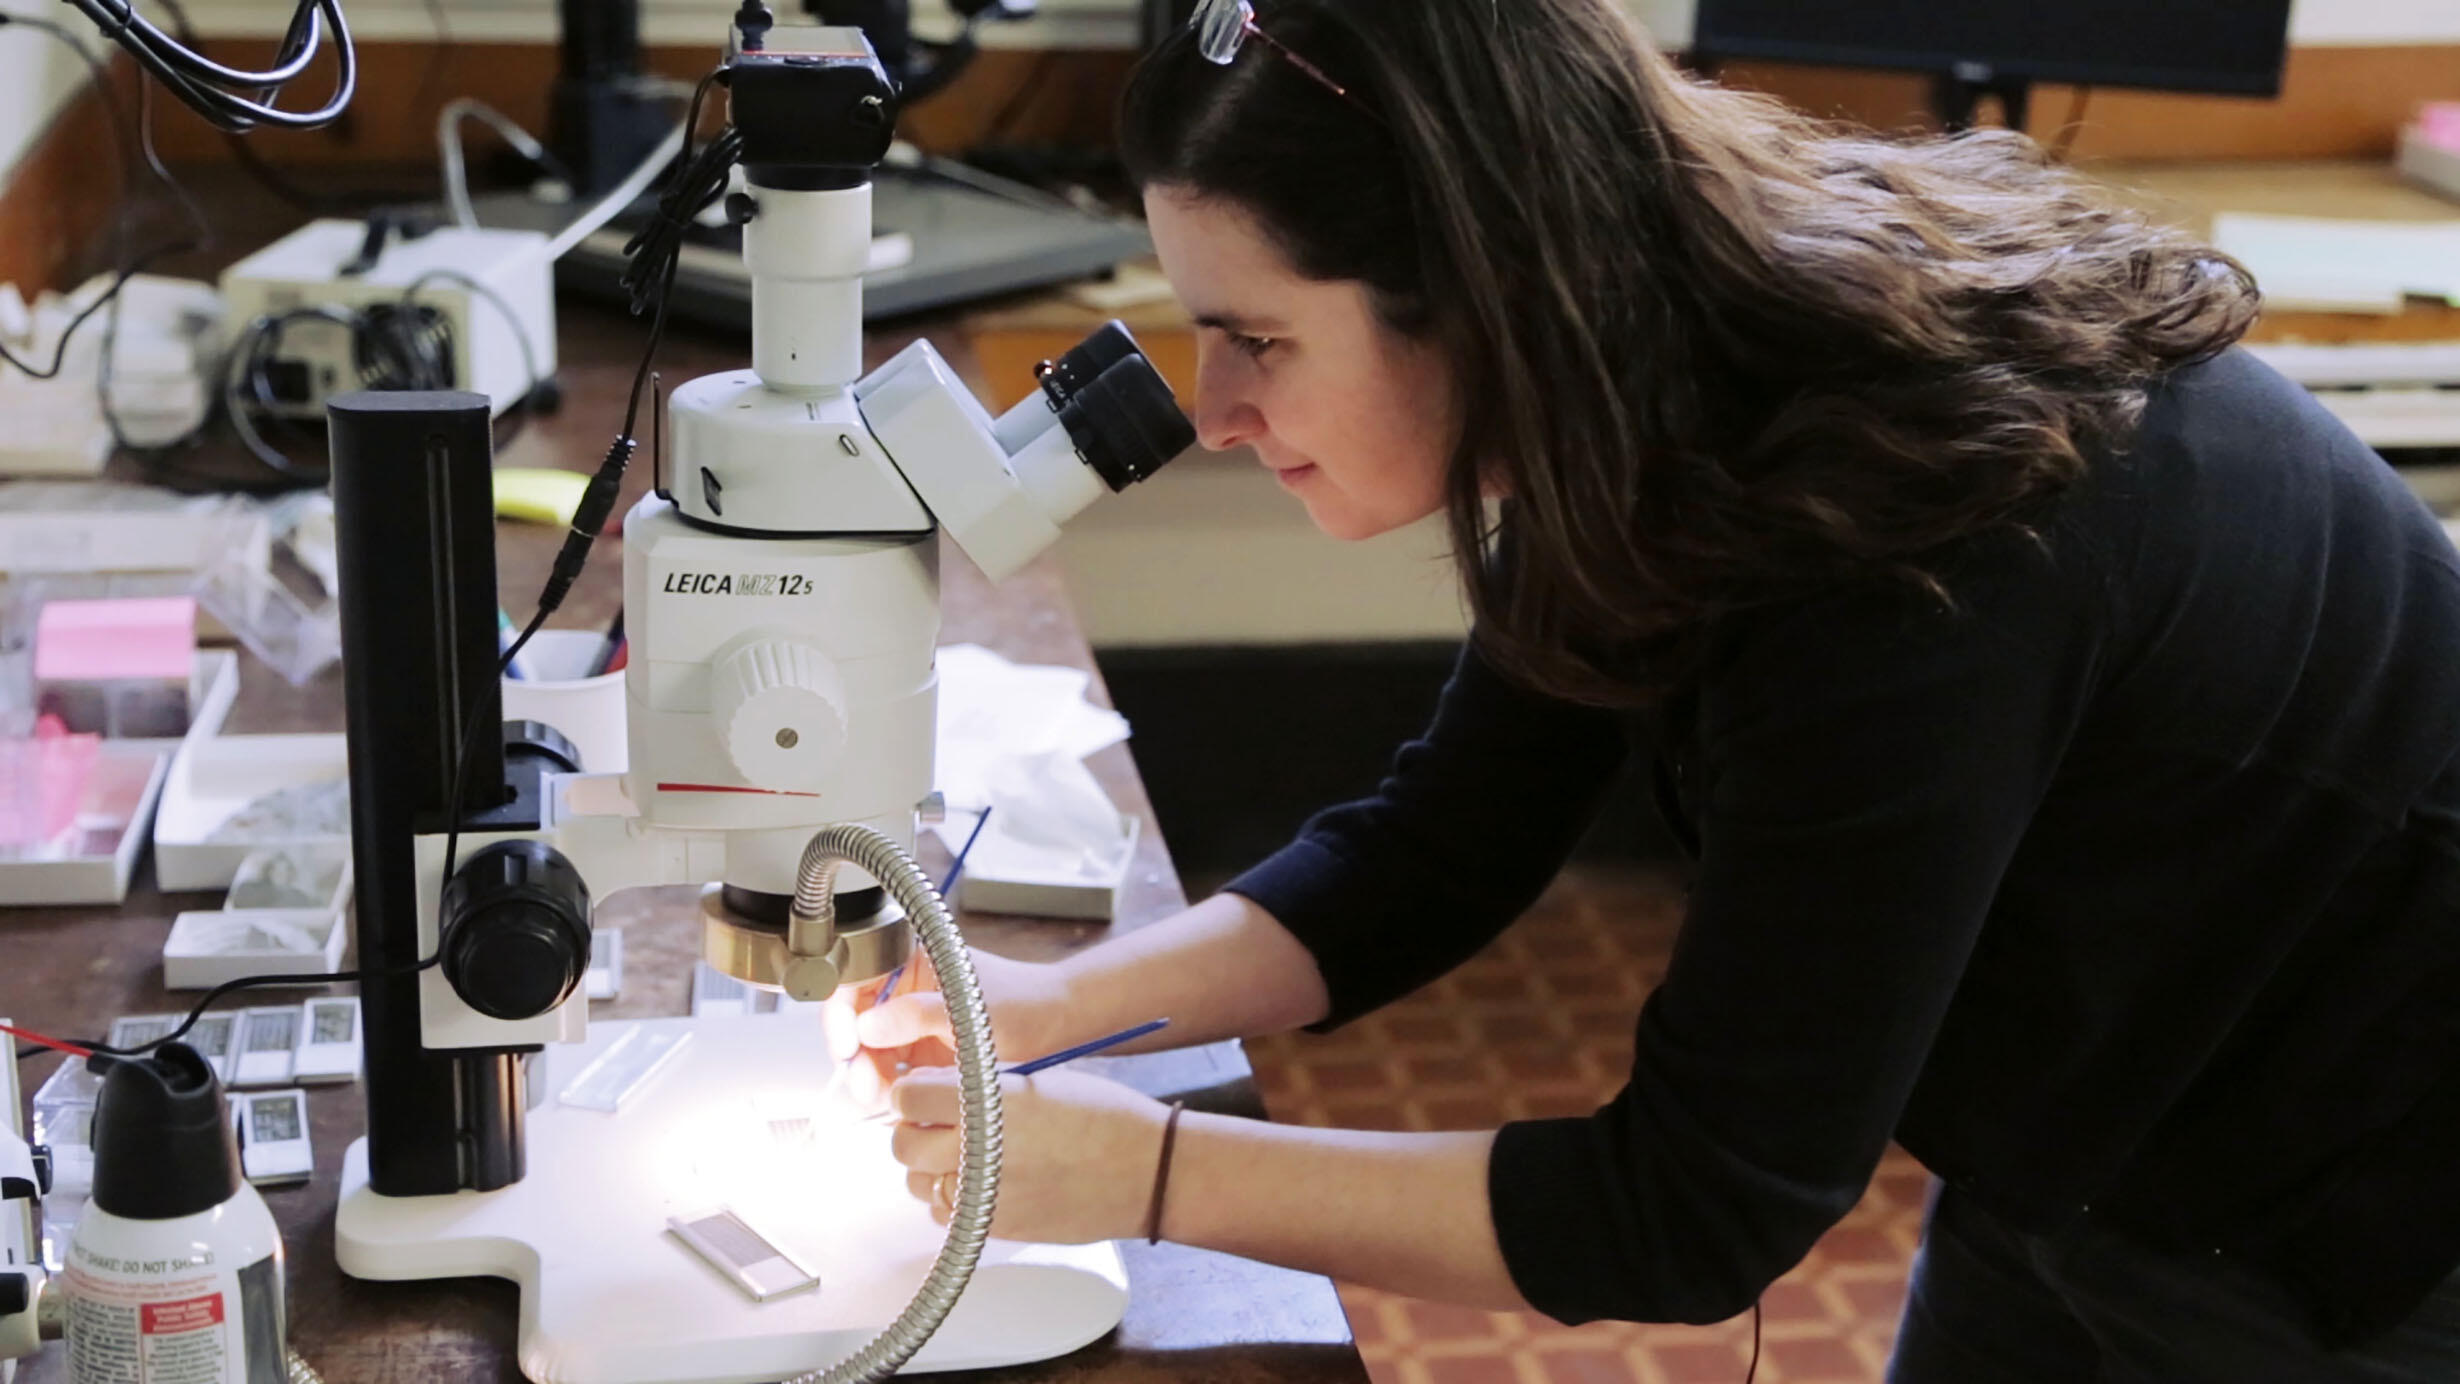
762	954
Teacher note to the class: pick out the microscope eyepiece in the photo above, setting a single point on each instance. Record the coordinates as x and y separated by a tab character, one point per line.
1084	362
1125	422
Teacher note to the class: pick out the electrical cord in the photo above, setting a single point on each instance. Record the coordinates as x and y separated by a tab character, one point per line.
450	156
236	99
521	336
619	198
274	179
203	240
251	359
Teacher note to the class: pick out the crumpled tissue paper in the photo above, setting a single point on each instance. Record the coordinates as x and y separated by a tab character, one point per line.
1013	739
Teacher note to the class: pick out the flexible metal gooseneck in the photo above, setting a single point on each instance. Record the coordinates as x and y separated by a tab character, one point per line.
969	1225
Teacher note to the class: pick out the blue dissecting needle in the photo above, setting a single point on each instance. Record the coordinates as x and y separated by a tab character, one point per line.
888	987
1087	1049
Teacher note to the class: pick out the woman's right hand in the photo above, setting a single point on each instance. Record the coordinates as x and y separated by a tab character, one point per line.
1028	1002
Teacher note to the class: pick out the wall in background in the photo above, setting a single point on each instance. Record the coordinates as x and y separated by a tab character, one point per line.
57	190
37	77
2370	22
1056	23
1113	23
1015	94
1212	551
2359	70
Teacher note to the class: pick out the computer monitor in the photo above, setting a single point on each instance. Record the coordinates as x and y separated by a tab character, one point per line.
2233	47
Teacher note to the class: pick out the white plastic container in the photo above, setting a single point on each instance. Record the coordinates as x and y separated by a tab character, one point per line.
209	947
588	711
100	869
214	779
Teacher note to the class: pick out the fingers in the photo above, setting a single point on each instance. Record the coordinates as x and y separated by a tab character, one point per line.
838	1023
926	1097
867	1079
924	1148
906	1019
935	1190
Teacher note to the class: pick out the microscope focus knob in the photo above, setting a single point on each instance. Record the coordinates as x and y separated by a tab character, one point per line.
781	711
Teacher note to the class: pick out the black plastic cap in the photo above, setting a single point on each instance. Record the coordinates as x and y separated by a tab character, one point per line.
753	21
1125	423
163	1142
1085	362
516	930
539	740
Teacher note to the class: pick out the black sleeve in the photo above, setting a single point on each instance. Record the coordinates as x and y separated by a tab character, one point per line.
1869	768
1475	818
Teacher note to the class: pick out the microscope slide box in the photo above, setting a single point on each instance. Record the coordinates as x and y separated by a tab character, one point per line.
102	877
217	777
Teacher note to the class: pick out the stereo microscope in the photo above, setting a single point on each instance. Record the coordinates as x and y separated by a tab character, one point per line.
781	592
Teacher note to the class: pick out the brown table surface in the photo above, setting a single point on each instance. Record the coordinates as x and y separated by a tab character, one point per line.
1191	1314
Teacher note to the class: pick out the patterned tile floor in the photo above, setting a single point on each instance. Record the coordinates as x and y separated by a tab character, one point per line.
1540	1024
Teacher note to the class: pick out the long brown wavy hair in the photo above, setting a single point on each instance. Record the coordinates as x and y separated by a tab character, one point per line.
1718	354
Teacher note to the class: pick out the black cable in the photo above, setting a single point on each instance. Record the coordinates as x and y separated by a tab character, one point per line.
521	336
1754	1372
230	98
244	152
197	1011
251	357
202	239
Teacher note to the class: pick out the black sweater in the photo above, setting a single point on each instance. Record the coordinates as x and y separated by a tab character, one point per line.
2130	889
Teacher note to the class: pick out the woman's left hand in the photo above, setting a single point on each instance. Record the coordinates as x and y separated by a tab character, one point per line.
1077	1160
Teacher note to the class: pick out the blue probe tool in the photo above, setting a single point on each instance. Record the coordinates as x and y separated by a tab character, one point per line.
888	987
1087	1049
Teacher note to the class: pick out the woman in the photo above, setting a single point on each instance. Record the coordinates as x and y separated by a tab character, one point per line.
2060	706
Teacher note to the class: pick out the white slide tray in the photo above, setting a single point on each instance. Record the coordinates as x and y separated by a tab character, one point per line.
213	684
218	776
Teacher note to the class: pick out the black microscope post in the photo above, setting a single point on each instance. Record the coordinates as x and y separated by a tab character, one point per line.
414	517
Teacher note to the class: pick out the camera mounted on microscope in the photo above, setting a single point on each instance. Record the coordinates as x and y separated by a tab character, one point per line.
815	106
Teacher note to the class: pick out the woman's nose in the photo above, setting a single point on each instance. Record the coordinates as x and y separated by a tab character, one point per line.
1224	415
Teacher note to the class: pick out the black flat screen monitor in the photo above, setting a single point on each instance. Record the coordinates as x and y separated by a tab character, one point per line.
2226	46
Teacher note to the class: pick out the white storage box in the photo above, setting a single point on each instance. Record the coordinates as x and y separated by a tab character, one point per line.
1000	880
2428	164
101	871
210	947
215	779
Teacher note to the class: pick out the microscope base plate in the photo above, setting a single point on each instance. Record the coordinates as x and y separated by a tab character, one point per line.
739	1119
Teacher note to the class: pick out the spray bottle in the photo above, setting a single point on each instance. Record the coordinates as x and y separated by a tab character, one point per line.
175	1269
